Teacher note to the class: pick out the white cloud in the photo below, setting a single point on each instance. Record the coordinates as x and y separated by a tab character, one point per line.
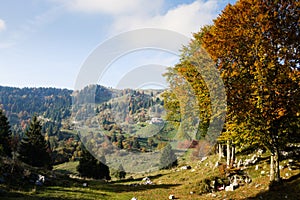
2	25
134	14
186	18
113	7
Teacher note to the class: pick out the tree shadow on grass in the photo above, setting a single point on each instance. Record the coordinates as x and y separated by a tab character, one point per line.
100	189
138	179
75	192
20	196
289	189
119	188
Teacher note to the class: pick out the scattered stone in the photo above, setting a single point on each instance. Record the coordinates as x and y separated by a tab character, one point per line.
193	170
217	164
256	167
186	167
281	167
40	181
147	181
171	196
285	153
41	178
287	174
203	159
260	151
191	192
263	172
85	184
248	180
134	198
229	188
257	185
206	165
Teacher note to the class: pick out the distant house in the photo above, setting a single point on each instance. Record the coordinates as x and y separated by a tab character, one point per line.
156	120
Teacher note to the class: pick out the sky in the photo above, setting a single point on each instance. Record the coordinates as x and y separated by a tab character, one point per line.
45	43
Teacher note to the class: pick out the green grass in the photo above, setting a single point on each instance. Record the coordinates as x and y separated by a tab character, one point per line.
174	181
67	168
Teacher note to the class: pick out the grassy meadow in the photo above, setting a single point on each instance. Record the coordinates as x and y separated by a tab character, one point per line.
183	184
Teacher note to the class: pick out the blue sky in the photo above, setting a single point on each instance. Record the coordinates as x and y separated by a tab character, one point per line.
43	43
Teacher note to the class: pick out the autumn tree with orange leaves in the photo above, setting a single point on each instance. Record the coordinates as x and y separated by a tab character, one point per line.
256	46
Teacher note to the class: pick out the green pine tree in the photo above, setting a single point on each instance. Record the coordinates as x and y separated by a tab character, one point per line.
168	159
120	174
5	135
90	167
33	149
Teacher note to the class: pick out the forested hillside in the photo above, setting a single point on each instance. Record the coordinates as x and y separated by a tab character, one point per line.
21	104
115	113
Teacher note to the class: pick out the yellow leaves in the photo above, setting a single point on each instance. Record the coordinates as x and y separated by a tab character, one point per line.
234	73
281	112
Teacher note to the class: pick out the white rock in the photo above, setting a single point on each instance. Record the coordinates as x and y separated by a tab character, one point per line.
254	161
217	164
253	157
248	180
134	198
287	174
203	159
41	178
257	185
256	167
171	196
262	172
281	167
229	188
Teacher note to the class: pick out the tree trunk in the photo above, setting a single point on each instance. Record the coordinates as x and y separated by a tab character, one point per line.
232	154
272	168
277	162
228	154
220	151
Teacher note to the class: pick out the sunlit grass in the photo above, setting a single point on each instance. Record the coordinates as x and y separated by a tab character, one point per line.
184	184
